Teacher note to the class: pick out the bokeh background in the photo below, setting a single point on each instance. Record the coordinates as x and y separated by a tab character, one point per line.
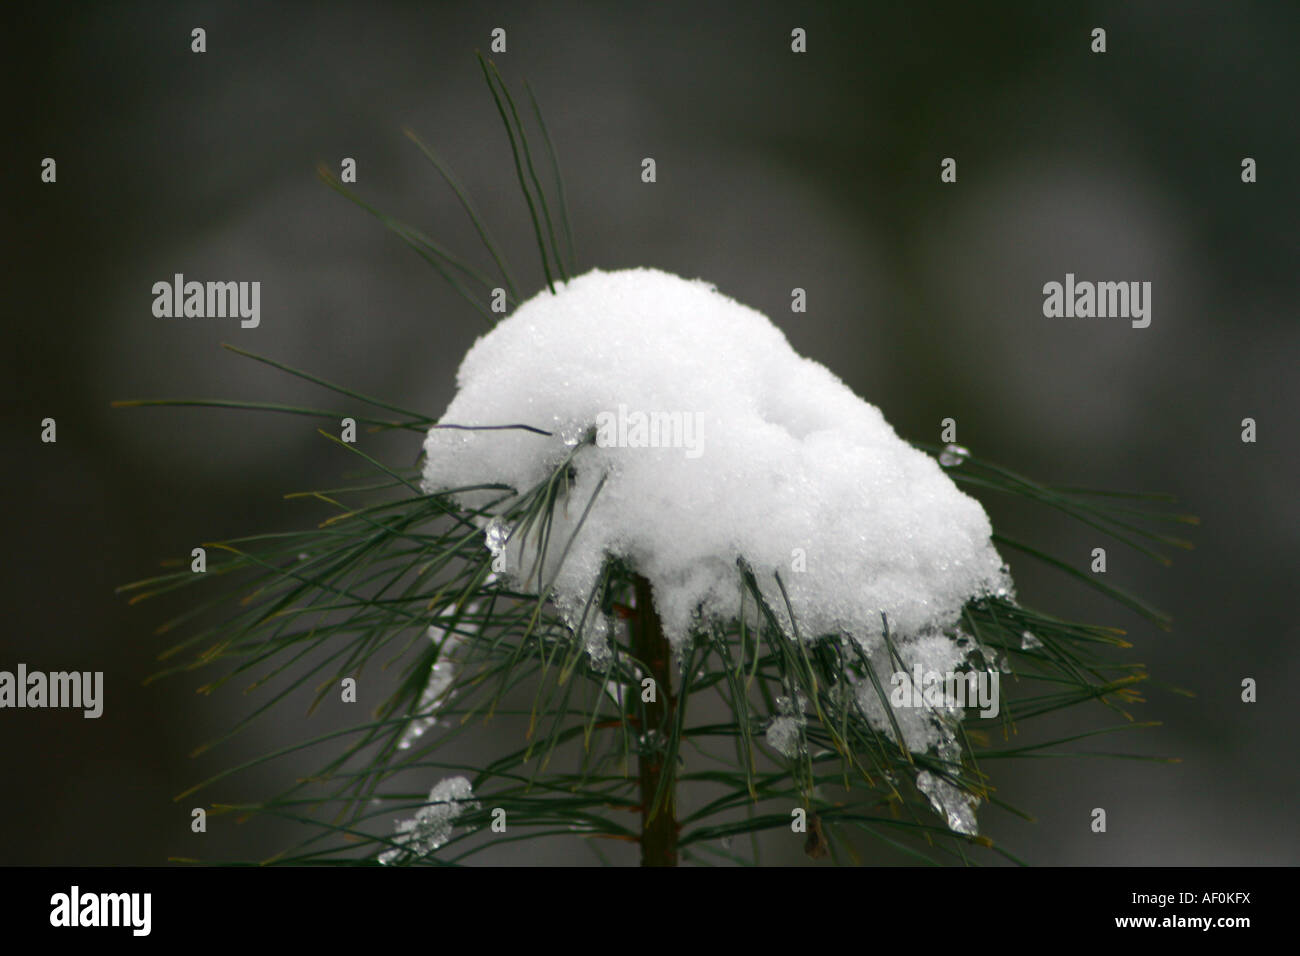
775	170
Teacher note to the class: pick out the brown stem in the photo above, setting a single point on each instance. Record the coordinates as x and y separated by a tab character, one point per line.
658	831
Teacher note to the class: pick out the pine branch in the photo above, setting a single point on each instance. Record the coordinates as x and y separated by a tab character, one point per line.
658	819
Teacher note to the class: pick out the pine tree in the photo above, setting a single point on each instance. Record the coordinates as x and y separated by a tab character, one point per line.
624	735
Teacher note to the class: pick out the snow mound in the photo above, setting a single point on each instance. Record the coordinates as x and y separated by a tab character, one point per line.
716	443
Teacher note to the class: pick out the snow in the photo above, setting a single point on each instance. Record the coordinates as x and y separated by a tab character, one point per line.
442	674
923	728
791	463
716	443
432	824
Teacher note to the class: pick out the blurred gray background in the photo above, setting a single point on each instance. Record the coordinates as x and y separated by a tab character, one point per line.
774	171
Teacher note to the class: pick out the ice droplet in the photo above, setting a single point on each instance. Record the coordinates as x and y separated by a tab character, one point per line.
596	642
432	824
783	735
1029	641
784	731
496	534
791	706
953	455
571	433
651	742
952	803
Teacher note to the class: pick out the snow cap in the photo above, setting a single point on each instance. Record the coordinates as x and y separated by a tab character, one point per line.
717	442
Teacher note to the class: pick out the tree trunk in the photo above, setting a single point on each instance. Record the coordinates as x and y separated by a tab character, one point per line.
658	831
